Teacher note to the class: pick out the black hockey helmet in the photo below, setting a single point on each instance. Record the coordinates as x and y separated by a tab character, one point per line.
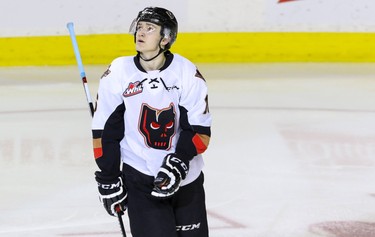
161	17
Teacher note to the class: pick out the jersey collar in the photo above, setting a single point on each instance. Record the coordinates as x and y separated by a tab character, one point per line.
168	61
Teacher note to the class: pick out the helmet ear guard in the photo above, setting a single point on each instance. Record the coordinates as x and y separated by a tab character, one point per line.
167	35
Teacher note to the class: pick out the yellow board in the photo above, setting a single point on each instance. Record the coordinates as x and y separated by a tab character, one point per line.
198	47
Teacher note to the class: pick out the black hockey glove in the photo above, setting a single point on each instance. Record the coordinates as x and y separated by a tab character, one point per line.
171	173
112	194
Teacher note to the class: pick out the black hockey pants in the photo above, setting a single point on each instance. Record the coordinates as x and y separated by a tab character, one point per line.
182	215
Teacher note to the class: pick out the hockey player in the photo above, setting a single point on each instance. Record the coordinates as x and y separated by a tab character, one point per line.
149	129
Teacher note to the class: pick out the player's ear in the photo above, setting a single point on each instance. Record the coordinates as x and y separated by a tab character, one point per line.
165	41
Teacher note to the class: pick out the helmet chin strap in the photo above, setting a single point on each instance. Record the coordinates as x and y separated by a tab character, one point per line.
150	59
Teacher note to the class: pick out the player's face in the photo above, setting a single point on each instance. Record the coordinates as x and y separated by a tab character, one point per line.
147	37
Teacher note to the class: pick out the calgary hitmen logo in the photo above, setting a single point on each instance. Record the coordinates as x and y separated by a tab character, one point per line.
157	126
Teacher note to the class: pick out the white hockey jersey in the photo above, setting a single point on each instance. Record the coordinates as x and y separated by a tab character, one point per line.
142	116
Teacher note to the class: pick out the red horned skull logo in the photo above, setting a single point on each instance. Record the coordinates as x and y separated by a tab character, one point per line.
157	126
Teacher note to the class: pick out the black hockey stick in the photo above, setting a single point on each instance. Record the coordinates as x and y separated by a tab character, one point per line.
89	99
119	214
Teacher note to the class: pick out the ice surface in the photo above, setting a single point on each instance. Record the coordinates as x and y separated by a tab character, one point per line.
292	152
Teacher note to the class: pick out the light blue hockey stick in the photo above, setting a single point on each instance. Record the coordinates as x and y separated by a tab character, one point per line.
89	100
80	66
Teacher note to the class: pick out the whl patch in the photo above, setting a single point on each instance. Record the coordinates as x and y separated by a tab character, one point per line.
134	88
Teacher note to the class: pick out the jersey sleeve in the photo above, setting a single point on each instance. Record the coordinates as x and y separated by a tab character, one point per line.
195	117
108	124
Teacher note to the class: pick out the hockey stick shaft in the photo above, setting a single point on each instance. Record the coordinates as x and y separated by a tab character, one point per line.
80	66
119	214
70	27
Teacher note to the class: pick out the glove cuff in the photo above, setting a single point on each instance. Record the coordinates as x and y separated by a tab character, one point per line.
184	158
104	179
179	163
